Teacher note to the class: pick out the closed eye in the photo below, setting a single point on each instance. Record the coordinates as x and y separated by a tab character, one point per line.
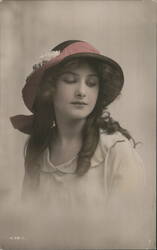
93	81
69	78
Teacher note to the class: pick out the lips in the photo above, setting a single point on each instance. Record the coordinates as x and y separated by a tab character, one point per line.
79	103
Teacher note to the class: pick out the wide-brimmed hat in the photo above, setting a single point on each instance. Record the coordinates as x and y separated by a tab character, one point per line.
61	53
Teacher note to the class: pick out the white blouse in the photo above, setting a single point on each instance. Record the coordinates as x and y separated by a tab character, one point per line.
101	209
116	171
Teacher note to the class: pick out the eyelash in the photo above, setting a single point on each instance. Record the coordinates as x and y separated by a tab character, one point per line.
90	84
69	81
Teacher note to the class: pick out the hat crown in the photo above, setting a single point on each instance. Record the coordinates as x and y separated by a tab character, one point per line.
64	44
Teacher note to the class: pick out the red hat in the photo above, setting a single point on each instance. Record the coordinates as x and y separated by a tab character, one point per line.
60	54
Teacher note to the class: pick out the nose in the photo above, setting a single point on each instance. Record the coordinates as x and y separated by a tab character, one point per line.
81	90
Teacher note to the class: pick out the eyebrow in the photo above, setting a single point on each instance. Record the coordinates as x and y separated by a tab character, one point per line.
73	73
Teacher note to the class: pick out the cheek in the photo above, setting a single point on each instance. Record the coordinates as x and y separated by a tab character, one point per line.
56	96
58	91
63	93
94	95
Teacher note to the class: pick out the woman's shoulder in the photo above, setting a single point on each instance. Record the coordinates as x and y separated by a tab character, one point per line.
117	152
108	141
122	162
118	148
122	155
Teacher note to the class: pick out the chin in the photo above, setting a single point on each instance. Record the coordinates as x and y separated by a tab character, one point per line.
76	114
80	116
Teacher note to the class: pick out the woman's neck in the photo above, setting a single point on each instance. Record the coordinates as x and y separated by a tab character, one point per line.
68	131
67	142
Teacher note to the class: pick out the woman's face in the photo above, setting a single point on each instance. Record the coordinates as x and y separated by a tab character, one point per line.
76	92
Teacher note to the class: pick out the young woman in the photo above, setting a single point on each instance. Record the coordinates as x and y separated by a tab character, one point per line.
77	156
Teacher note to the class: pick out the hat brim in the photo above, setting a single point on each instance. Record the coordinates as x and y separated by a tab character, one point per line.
118	81
98	57
37	75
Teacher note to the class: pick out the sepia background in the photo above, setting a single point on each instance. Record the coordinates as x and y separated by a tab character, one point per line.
122	30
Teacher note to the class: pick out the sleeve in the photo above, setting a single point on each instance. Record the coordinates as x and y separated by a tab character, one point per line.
127	197
125	170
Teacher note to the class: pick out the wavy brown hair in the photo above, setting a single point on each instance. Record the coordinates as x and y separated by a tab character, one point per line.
42	134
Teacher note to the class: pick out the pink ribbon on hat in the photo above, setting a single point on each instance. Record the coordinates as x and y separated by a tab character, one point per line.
74	48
